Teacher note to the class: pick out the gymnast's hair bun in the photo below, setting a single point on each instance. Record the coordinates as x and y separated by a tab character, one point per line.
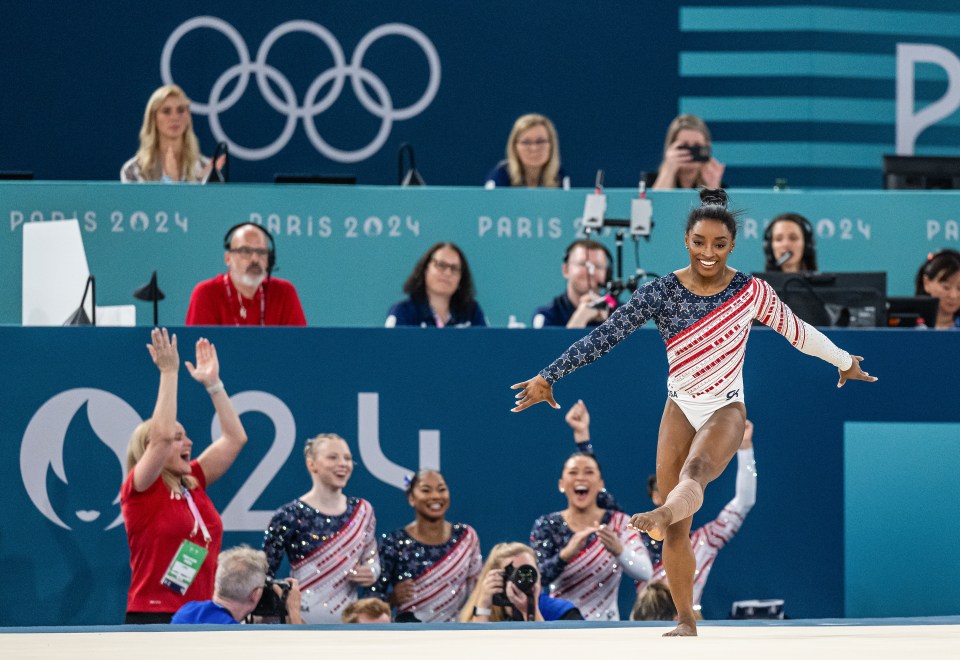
713	197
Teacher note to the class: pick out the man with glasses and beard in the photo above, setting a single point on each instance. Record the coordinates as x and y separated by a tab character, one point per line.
586	266
247	294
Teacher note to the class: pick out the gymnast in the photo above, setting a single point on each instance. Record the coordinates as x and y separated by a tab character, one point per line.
704	313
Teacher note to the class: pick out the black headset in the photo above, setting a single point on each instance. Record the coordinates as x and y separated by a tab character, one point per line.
809	238
606	251
272	254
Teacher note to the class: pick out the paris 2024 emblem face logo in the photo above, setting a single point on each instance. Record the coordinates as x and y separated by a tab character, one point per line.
111	420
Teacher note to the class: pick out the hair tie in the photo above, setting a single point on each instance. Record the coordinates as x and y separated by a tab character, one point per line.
930	256
407	480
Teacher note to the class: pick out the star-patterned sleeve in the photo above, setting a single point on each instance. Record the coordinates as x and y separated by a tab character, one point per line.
274	542
547	538
389	552
643	305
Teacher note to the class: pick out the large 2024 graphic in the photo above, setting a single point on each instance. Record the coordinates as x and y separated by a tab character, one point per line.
112	420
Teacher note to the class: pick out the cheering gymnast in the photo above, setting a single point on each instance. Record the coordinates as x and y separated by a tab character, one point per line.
703	312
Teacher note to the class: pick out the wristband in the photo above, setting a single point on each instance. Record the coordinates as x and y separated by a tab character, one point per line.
482	611
216	387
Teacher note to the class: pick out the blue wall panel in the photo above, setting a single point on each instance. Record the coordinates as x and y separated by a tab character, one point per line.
502	467
611	77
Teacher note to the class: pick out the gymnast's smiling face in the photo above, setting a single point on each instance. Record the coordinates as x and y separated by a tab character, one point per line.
709	242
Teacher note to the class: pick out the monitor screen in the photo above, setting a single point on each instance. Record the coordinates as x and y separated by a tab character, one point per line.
7	175
833	299
921	173
910	311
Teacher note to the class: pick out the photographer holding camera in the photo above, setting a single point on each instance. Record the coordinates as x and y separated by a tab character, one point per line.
508	589
240	589
687	160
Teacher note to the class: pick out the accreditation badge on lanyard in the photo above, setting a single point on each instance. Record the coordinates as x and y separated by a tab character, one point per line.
189	556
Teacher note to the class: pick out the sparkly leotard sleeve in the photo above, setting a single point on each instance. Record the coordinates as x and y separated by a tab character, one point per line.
706	336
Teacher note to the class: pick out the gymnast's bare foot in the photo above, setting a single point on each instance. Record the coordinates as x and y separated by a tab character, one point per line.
686	627
654	522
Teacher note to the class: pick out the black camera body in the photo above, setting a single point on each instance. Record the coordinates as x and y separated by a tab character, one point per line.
525	577
270	604
699	153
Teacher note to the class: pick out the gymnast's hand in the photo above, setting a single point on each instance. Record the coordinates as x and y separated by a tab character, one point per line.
855	372
533	391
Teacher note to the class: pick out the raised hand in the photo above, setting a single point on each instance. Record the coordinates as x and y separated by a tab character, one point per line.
532	392
163	350
855	372
578	419
207	370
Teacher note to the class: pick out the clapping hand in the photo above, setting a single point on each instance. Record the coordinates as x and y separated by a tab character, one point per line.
576	543
361	574
610	540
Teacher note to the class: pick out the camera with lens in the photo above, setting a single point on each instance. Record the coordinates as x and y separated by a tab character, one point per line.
524	577
270	604
699	153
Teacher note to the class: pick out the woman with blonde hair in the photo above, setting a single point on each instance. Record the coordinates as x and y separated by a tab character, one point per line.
500	594
533	156
687	160
329	539
169	150
173	529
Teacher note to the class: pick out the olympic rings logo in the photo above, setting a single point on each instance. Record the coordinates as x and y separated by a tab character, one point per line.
382	107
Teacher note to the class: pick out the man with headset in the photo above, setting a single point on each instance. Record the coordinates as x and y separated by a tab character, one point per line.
247	294
586	264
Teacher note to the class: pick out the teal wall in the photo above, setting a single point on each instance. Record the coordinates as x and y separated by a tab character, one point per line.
349	249
901	527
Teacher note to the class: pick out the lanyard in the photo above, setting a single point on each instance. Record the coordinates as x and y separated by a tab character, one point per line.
243	308
197	518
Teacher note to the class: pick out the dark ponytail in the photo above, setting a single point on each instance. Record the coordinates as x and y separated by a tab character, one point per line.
713	206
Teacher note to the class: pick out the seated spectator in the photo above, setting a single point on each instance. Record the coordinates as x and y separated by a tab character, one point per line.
939	277
789	244
238	586
533	156
654	603
586	267
687	160
169	150
247	294
502	597
366	610
430	566
440	290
